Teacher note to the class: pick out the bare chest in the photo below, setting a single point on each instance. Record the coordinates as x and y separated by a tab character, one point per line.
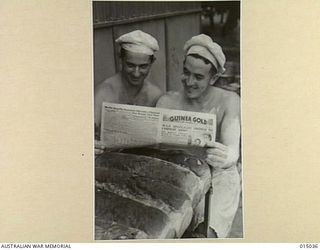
142	98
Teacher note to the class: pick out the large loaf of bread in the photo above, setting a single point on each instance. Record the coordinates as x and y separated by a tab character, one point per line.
140	197
189	158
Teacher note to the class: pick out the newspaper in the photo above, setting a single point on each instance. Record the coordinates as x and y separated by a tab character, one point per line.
125	126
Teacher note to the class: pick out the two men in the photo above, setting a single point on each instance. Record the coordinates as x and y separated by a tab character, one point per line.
129	86
203	65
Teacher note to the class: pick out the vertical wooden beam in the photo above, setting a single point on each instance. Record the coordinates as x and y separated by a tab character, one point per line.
179	30
167	54
103	54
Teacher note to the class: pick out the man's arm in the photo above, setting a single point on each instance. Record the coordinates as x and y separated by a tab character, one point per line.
169	101
98	100
102	94
154	93
162	102
225	153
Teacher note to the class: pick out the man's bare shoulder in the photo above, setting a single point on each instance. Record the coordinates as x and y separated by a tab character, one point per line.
152	89
171	99
229	99
226	96
111	83
108	90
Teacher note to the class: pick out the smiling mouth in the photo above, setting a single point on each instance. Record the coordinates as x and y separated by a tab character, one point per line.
135	80
191	89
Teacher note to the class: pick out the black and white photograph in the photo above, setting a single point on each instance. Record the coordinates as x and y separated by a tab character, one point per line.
167	120
159	122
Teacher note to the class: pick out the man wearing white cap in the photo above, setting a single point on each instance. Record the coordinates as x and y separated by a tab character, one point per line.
129	86
203	64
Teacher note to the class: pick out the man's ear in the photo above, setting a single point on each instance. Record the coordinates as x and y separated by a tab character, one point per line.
120	62
214	78
153	59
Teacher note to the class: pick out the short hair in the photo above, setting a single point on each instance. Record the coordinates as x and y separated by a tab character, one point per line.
123	53
213	69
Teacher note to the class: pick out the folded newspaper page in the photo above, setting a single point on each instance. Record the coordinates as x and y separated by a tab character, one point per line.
125	126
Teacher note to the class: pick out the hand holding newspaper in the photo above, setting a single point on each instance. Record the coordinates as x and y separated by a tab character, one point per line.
125	126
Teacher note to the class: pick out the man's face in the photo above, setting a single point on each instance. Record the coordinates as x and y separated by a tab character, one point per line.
136	67
196	77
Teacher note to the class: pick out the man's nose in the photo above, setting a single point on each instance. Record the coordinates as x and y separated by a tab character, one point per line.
190	81
136	71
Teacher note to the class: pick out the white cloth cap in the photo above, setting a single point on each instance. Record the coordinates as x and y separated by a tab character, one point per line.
139	42
203	46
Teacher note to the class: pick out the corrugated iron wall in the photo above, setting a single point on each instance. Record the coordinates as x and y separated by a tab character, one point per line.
171	23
